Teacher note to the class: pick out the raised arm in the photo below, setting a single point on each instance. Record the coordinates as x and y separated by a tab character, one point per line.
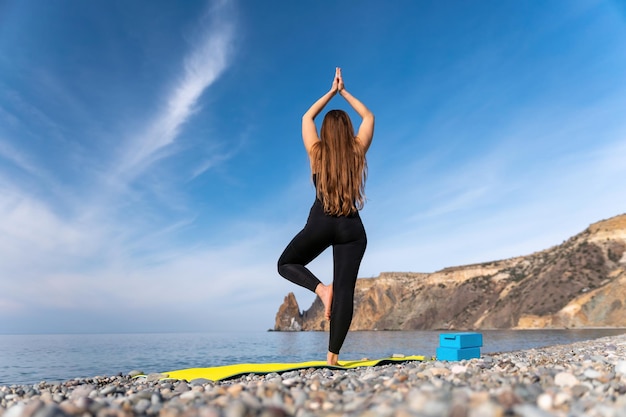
366	129
309	130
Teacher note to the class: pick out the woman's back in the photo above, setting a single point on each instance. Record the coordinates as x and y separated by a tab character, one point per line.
339	163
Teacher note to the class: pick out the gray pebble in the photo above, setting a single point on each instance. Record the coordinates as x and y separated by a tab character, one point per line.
200	381
289	382
591	374
156	398
565	379
182	387
620	367
154	377
236	409
142	406
83	403
110	389
141	395
135	373
579	390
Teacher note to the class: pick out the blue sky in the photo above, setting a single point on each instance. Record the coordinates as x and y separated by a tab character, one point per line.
152	170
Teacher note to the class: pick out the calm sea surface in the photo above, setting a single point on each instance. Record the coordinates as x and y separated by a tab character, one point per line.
28	359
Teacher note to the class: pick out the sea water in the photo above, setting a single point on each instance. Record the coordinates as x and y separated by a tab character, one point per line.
29	359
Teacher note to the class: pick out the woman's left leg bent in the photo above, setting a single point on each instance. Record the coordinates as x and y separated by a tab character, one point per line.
304	247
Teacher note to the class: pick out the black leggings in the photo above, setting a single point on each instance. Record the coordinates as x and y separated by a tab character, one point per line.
347	237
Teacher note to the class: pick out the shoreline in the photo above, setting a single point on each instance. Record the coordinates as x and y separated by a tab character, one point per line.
582	378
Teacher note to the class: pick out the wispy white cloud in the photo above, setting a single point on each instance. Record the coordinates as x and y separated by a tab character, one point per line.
216	156
16	157
31	118
109	248
207	60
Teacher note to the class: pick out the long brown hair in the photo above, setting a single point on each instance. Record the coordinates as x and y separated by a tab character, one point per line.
340	165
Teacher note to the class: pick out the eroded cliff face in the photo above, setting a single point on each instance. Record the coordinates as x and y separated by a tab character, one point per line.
580	283
288	317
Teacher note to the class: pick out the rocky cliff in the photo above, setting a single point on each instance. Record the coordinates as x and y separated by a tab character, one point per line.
580	283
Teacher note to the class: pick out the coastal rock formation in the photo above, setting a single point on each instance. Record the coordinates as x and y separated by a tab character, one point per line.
288	317
580	283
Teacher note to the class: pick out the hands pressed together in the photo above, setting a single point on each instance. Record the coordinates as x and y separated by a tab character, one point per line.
337	86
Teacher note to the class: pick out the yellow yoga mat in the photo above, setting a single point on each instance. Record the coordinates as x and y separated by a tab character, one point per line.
219	373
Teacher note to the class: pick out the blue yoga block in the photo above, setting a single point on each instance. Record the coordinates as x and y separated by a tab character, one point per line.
451	354
460	340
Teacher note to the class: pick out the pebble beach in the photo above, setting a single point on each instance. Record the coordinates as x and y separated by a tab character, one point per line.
584	378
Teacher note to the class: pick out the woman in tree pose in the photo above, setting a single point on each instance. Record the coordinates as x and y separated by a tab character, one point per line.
339	170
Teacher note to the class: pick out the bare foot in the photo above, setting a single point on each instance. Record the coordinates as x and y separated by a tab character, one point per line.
332	359
325	293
